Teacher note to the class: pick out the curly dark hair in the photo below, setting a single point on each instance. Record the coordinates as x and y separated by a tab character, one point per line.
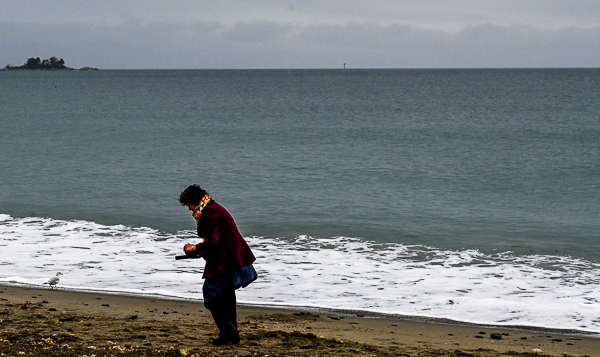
192	195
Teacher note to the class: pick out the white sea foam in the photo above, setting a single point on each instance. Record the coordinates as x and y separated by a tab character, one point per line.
337	272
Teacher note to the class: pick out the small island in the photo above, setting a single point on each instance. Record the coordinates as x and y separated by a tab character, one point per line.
51	64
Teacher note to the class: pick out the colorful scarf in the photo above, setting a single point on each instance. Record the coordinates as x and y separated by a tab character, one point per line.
203	203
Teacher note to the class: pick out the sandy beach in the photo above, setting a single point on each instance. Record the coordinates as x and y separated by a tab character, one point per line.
45	322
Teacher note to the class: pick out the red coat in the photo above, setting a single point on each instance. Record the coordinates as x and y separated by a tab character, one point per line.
224	248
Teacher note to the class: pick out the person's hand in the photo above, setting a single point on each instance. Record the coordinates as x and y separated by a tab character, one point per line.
196	214
189	249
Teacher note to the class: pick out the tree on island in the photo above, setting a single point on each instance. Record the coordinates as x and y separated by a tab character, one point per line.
52	63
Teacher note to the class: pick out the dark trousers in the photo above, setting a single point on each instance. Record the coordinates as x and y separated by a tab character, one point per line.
223	309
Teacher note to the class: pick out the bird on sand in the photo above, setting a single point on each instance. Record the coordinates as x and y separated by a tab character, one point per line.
54	280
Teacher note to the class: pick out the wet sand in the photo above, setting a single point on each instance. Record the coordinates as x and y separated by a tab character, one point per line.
44	322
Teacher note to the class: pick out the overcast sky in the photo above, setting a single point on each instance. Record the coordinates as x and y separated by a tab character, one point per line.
131	34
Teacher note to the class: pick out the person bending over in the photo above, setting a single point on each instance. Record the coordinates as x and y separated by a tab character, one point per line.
228	260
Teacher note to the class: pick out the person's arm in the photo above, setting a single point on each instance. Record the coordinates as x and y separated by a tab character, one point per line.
208	230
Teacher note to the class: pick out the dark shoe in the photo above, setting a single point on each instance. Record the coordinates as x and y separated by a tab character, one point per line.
230	335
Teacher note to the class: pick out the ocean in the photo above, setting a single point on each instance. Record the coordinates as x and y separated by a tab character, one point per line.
464	194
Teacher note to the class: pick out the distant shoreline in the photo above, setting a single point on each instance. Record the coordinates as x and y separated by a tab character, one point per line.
50	64
22	68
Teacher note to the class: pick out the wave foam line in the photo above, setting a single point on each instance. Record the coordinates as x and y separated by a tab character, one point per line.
332	273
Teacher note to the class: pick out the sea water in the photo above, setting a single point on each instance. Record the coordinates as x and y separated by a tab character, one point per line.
470	195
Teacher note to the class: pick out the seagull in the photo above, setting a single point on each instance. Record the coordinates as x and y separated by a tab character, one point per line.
54	280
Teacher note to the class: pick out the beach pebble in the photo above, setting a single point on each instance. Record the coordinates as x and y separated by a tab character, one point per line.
312	345
536	351
253	336
461	353
51	309
496	336
45	301
141	335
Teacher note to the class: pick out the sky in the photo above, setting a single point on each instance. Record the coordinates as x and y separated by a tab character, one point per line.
245	34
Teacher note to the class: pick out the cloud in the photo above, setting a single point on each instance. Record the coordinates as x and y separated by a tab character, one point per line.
257	32
270	44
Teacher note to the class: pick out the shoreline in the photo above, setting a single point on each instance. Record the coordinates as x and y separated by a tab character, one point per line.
153	325
324	310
